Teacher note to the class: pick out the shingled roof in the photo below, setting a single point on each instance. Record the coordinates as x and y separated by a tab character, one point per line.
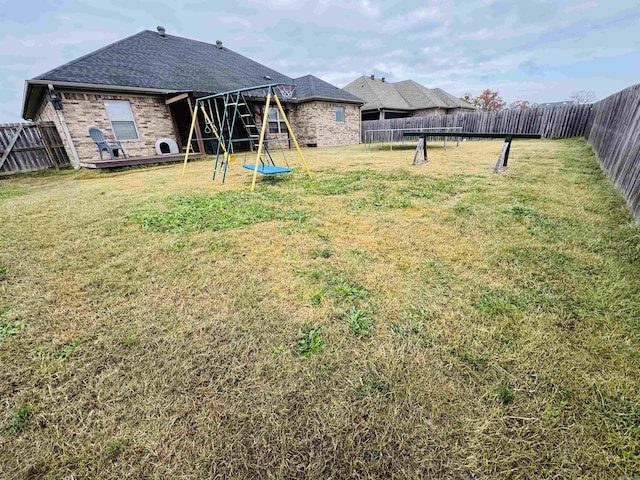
404	95
312	88
377	94
164	64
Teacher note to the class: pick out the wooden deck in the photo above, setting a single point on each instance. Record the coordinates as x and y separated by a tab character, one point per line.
127	162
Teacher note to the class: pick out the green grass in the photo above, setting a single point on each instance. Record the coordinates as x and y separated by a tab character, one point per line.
504	394
18	420
378	321
347	289
279	350
322	253
359	322
373	385
189	213
7	190
9	326
114	447
66	351
310	342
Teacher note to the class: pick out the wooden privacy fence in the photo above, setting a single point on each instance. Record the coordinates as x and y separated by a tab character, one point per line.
26	147
614	135
557	122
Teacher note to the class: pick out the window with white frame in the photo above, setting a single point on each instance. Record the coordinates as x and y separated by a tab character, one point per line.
276	122
339	114
122	122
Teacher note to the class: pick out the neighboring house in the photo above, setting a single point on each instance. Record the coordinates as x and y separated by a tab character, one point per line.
142	88
403	99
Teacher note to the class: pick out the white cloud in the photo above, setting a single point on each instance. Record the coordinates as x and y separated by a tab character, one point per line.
338	77
397	53
432	50
579	6
233	20
413	18
11	44
396	71
281	3
370	8
367	44
505	32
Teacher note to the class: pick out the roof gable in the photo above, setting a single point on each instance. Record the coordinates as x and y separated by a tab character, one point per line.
417	95
310	87
377	94
452	101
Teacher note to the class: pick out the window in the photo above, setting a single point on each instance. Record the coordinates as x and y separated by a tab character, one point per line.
276	122
124	127
339	114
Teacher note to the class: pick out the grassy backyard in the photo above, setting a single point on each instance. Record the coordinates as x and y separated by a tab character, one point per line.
378	321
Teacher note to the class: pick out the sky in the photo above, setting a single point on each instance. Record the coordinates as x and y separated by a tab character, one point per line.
535	50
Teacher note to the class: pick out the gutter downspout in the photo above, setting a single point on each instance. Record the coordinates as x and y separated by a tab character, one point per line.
75	159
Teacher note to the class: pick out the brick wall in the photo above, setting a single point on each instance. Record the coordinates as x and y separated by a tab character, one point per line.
304	122
425	112
83	110
312	122
315	123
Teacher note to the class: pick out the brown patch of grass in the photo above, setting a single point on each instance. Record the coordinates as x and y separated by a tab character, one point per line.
432	321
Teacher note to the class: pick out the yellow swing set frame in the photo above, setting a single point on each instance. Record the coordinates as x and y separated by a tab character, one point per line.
225	145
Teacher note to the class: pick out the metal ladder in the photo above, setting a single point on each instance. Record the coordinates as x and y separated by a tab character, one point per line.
237	107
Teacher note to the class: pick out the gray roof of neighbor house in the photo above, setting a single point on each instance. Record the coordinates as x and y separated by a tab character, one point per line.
310	87
404	95
377	94
148	61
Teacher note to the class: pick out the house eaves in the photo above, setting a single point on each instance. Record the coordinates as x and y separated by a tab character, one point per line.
35	89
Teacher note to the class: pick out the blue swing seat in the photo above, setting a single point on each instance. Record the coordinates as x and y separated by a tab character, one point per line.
266	169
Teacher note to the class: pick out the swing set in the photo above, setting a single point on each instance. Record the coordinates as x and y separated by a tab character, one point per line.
236	115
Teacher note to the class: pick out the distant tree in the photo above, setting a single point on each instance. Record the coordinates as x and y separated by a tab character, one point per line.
471	99
522	105
487	101
490	101
583	96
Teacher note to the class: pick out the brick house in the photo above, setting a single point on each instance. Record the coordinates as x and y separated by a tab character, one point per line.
143	88
407	98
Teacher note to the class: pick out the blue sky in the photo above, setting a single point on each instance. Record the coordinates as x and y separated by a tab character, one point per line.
538	50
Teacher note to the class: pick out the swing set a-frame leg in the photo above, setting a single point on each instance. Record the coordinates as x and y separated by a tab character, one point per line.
293	136
193	126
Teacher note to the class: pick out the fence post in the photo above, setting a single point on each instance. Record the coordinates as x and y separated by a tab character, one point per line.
12	142
45	142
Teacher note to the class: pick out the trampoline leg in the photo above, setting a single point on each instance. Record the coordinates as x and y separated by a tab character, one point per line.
503	158
422	145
